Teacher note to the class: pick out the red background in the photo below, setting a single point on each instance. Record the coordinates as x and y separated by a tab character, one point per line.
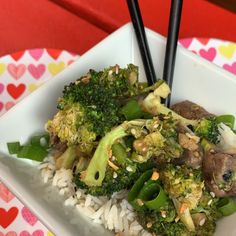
76	25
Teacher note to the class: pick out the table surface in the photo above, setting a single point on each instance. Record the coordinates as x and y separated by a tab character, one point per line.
61	23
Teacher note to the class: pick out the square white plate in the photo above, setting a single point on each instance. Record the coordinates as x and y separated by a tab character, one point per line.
195	79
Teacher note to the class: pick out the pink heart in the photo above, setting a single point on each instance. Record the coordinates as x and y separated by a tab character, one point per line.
5	193
16	71
9	105
28	216
36	71
186	42
36	53
1	88
10	233
230	68
209	54
35	233
1	106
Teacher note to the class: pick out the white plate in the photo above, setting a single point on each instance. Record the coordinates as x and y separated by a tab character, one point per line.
195	79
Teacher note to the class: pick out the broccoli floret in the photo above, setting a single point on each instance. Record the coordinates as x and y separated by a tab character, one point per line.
208	128
150	141
183	183
163	222
114	181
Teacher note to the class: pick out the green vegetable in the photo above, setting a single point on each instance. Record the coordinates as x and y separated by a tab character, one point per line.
124	179
132	110
226	119
208	128
67	159
32	152
119	152
147	192
91	106
153	196
227	206
95	172
13	147
40	140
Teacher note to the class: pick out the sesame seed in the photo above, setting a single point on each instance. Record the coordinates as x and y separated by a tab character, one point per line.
212	194
202	222
163	214
209	202
128	168
115	175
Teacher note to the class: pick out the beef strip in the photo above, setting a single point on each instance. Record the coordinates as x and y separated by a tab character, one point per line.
193	153
219	171
190	110
58	147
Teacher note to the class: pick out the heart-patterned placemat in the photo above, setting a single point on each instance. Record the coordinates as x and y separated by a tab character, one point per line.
23	72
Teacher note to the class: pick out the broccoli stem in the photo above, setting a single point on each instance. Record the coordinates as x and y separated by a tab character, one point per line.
95	172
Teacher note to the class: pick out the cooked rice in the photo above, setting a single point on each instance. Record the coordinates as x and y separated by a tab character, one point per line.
114	214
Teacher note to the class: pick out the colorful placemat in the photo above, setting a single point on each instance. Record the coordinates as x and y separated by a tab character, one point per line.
23	72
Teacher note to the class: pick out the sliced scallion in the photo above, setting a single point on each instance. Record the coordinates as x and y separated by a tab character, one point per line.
226	119
13	147
227	206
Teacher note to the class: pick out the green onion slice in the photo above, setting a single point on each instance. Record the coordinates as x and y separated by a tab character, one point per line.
40	140
227	206
226	119
153	196
32	152
147	193
13	147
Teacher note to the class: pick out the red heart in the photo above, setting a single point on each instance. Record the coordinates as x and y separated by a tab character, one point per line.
203	41
16	91
17	55
54	53
7	217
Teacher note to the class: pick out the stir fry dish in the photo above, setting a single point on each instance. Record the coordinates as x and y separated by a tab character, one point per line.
138	167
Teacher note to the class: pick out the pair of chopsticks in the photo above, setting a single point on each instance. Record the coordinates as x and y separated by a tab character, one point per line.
171	46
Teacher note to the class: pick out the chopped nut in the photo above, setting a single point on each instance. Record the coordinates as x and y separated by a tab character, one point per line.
140	202
183	208
112	165
149	224
163	214
177	219
155	175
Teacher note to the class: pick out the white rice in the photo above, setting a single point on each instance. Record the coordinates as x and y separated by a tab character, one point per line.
115	214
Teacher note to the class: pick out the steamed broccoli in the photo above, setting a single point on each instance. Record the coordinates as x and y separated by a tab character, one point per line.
114	181
90	107
150	140
208	128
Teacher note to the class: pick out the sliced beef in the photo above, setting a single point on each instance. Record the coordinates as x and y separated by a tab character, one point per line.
190	110
58	147
193	153
219	171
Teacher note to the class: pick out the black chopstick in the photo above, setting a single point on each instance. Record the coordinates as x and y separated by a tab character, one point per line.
171	46
142	40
